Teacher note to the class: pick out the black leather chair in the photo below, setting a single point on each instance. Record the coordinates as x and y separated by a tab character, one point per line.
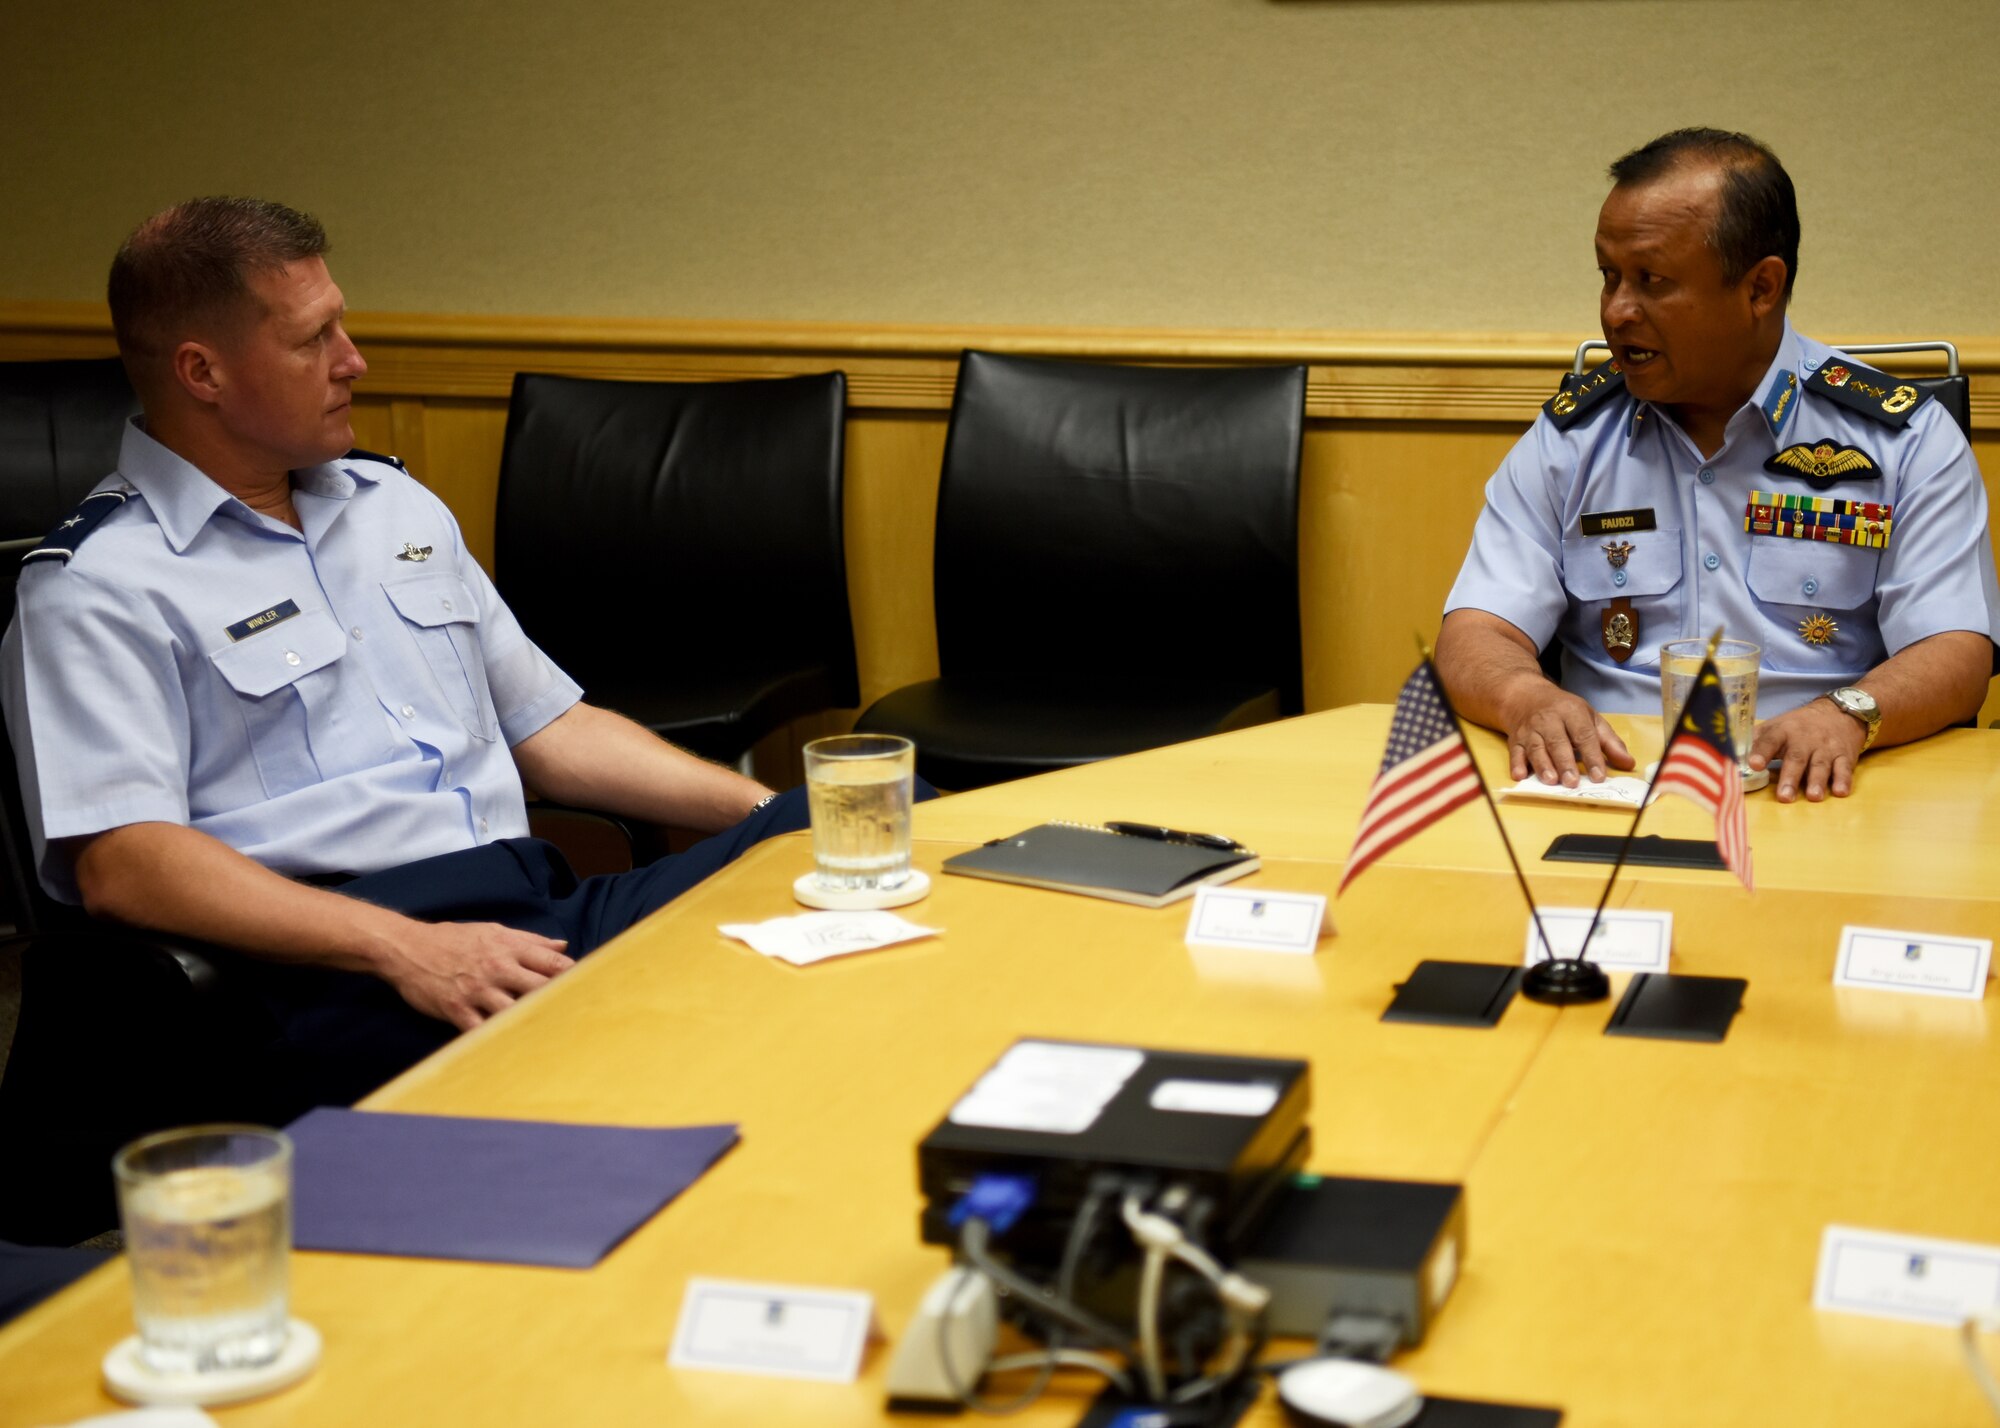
1116	569
677	547
120	1033
60	425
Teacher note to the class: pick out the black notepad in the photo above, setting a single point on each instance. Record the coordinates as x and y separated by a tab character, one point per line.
1071	857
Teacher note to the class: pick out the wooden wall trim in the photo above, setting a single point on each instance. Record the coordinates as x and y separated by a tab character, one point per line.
1447	377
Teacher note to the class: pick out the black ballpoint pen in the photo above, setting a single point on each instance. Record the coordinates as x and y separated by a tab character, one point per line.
1175	835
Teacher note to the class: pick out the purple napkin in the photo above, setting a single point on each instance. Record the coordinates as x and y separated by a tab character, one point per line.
513	1192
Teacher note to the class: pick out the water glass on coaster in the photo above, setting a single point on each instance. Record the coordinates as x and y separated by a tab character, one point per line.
207	1212
859	788
1736	666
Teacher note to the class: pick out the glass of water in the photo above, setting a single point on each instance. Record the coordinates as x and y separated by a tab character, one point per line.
207	1212
859	788
1735	665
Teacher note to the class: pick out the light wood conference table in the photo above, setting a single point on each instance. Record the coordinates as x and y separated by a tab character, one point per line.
1644	1217
1294	789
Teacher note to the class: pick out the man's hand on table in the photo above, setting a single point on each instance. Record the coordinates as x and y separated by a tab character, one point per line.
1819	744
1559	738
465	972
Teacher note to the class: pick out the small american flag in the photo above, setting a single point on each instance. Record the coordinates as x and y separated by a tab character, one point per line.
1426	772
1700	764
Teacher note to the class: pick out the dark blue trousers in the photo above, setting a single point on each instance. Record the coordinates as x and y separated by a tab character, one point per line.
336	1036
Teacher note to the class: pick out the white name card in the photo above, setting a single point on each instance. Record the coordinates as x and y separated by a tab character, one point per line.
1255	919
1889	961
1634	940
1905	1276
775	1330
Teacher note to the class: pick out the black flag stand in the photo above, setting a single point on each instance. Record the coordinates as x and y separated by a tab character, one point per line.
1565	980
1578	979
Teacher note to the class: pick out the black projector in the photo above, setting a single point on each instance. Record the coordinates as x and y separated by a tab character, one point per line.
1229	1130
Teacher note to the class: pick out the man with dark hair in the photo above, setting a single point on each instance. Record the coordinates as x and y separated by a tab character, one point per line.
255	660
1723	470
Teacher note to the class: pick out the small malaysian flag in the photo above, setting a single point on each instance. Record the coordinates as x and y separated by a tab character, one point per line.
1700	764
1426	773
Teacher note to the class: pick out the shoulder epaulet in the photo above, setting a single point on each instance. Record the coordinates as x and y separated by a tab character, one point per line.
1582	393
72	530
357	454
1886	399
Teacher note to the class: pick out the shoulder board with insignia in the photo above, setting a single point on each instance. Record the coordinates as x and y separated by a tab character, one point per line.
357	454
1581	394
1887	399
71	531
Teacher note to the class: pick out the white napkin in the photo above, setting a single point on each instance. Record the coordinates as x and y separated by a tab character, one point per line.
1617	791
815	936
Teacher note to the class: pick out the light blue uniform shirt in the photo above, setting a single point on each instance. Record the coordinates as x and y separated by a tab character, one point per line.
1532	565
145	682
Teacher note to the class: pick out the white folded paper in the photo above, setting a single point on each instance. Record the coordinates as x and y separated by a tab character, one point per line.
1617	791
813	937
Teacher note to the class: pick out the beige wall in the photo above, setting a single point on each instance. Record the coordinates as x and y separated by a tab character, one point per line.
1352	165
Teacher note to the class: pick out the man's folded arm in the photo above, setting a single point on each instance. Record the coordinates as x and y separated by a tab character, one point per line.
593	758
1493	675
171	878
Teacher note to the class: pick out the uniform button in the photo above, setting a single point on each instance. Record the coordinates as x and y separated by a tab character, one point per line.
291	656
1707	477
356	632
1617	577
409	711
448	778
1711	560
482	825
1811	587
447	607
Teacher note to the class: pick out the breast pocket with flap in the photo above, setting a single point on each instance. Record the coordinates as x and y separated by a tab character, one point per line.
285	678
443	620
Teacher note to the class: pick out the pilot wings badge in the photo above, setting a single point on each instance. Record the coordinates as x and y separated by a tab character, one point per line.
1823	463
413	552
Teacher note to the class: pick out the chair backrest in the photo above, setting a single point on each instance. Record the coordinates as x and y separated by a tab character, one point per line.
33	909
1951	391
681	525
1097	522
60	425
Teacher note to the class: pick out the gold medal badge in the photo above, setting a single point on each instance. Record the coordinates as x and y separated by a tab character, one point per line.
1818	629
1621	629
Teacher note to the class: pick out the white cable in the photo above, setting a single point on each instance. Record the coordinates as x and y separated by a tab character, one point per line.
1069	1358
1975	1361
1158	1235
1150	1362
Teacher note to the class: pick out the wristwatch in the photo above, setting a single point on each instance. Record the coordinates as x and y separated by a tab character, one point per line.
1861	704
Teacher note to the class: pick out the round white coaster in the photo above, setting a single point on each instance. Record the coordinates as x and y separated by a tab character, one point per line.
128	1376
808	891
